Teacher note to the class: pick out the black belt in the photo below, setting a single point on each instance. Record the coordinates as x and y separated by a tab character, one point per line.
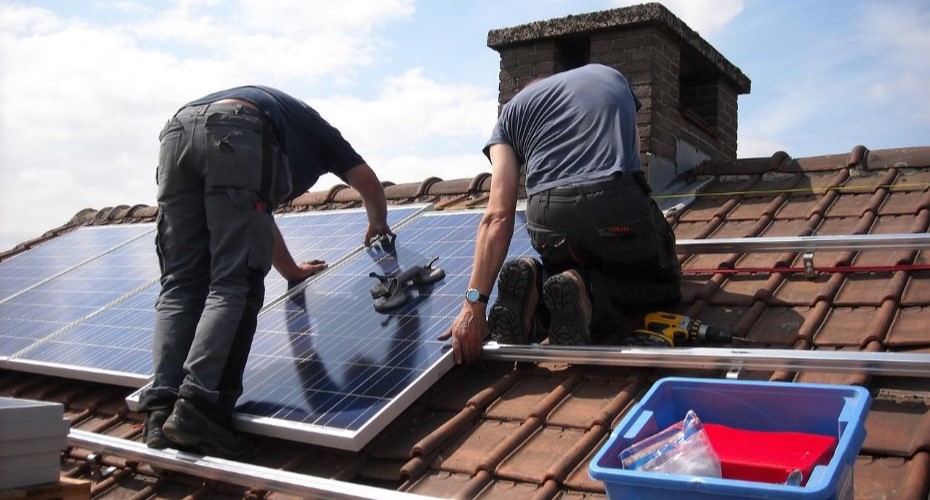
615	181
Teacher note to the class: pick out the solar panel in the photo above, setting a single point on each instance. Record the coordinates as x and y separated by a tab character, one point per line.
114	344
328	235
326	368
37	313
53	257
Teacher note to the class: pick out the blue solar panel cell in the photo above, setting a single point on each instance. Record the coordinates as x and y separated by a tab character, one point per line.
38	313
324	361
327	236
116	339
60	254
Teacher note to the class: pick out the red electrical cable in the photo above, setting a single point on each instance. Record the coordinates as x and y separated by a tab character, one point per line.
829	269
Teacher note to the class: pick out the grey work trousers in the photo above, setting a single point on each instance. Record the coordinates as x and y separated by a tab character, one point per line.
614	234
214	243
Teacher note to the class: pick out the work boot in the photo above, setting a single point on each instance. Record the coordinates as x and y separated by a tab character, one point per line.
189	427
152	434
511	317
569	307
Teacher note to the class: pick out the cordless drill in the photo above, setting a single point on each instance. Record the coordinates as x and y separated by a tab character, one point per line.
668	330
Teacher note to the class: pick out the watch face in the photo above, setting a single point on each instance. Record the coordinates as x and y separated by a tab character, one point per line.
472	295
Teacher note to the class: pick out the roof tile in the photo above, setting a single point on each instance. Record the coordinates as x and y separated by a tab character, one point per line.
892	477
470	453
532	460
855	326
592	402
531	396
440	484
897	428
909	327
779	326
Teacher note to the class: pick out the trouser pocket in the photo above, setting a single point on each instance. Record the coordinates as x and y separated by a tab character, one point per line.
234	151
552	246
629	241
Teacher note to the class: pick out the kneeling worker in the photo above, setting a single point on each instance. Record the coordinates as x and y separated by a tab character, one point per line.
603	242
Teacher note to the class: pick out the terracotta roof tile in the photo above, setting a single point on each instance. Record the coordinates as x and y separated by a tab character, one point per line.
909	327
533	459
899	157
853	326
863	289
579	479
877	477
470	454
744	289
440	484
897	428
593	402
532	397
779	326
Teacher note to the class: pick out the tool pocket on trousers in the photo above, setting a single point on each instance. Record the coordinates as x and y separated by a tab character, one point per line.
551	245
234	151
169	147
159	230
630	241
668	259
257	224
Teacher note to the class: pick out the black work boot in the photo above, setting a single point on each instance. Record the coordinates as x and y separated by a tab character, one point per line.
152	433
190	428
511	318
567	300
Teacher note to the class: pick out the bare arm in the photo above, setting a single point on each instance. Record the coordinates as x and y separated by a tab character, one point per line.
491	246
363	179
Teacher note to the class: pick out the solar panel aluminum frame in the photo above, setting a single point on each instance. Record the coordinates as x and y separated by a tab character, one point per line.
110	377
346	439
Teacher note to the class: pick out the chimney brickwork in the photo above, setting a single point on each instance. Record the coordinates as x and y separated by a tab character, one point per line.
688	90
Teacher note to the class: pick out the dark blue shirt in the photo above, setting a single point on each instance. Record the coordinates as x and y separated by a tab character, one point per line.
572	128
313	146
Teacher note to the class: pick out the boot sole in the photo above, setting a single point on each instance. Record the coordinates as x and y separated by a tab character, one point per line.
506	320
567	325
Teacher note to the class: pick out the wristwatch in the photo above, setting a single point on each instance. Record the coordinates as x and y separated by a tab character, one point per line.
473	296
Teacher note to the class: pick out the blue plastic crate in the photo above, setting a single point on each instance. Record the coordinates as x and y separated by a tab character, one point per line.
830	410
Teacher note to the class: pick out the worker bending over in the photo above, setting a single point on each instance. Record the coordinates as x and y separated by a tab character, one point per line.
225	162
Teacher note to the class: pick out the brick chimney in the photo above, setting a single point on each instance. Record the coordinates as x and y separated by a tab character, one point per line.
688	89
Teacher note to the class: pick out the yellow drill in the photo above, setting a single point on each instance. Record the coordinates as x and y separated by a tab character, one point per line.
668	330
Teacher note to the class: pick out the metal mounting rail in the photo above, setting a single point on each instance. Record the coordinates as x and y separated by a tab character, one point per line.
875	363
251	476
854	242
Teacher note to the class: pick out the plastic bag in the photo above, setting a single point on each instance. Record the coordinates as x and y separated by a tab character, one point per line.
682	448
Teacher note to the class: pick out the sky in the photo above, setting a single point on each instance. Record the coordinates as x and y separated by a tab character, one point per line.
86	86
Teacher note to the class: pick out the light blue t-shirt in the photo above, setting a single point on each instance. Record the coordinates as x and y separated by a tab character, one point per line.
572	128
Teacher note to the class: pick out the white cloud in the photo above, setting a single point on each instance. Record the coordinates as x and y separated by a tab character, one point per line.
704	16
412	114
290	17
897	36
81	104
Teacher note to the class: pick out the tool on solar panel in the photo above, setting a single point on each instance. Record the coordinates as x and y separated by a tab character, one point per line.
391	291
664	329
384	242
